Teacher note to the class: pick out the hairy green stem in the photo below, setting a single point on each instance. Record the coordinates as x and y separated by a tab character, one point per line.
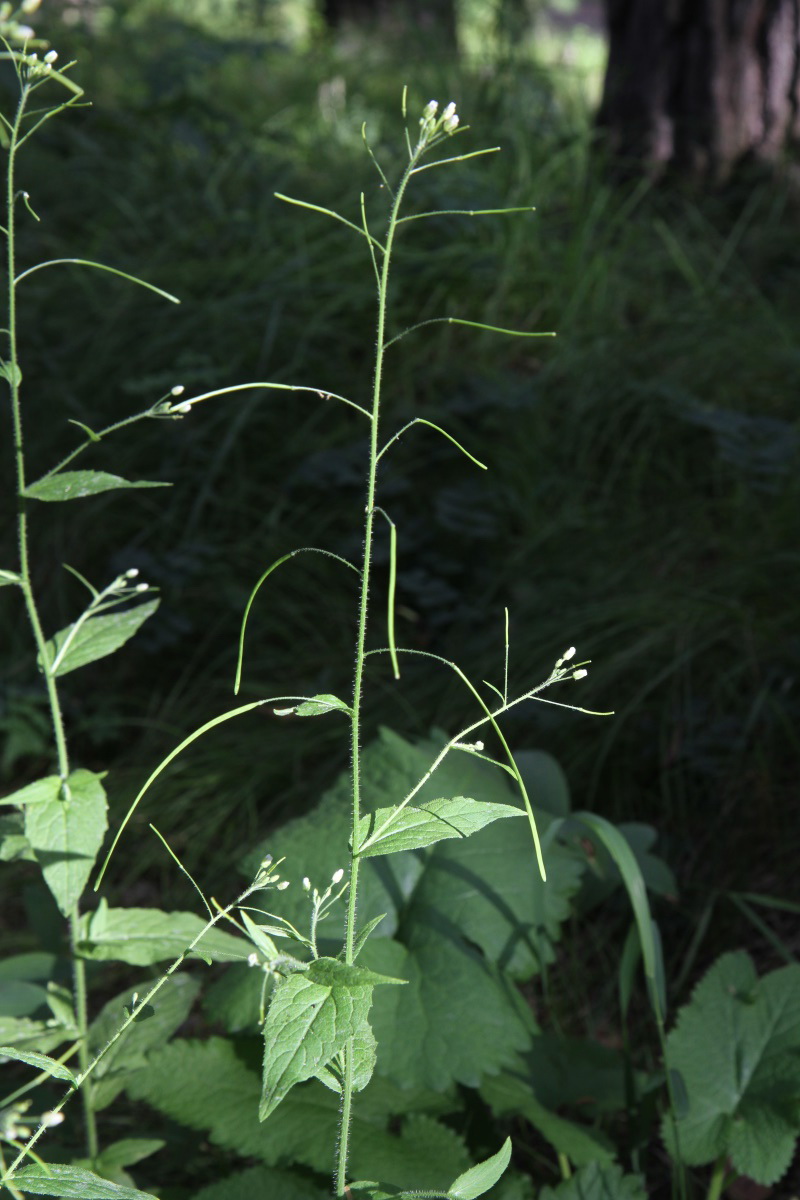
78	967
361	636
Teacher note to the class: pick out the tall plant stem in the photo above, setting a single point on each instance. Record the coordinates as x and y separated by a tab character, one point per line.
14	376
361	637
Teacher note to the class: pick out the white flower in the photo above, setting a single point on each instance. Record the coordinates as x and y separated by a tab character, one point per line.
49	1119
449	112
451	124
568	654
337	876
306	884
430	108
51	57
252	960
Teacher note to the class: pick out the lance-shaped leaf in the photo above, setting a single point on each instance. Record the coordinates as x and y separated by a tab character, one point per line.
312	1017
142	936
65	832
317	706
74	485
73	1183
411	827
480	1178
736	1046
96	637
40	1061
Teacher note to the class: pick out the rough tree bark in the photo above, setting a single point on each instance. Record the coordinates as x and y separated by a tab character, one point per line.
701	84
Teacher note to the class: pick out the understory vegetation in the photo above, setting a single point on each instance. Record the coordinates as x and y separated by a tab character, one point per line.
503	918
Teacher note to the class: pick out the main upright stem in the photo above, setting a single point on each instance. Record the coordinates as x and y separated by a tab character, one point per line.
369	519
14	377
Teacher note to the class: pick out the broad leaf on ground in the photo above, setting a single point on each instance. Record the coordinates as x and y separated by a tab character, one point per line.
143	936
510	1093
425	1154
262	1181
171	1006
96	637
66	833
597	1181
736	1045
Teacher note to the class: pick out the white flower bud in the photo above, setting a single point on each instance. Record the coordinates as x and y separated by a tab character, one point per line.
337	876
178	390
29	6
431	108
283	885
451	124
142	587
184	408
581	674
49	1119
51	56
568	654
252	960
25	31
306	884
132	573
449	112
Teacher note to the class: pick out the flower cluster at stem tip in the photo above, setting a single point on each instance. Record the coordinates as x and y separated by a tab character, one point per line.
430	125
13	30
267	875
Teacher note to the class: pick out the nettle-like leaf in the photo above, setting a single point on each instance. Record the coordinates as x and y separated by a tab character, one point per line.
262	1181
143	936
96	637
736	1045
426	1154
74	485
311	1018
171	1006
65	831
114	1158
417	826
73	1183
457	1020
597	1181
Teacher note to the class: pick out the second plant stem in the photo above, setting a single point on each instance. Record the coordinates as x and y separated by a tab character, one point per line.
14	377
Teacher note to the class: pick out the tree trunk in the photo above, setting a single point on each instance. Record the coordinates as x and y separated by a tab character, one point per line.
701	84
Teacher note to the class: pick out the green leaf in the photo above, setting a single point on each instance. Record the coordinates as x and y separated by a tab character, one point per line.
41	1061
415	827
511	1093
457	1019
66	833
19	998
317	706
142	936
74	485
262	1181
34	1035
96	637
330	972
307	1024
40	792
426	1154
11	373
480	1178
128	1151
365	1051
545	781
73	1183
14	846
737	1047
597	1181
260	938
171	1005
